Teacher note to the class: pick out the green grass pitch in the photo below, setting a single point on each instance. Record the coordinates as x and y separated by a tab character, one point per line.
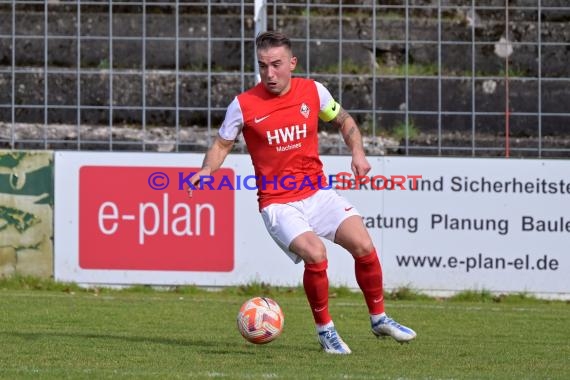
65	332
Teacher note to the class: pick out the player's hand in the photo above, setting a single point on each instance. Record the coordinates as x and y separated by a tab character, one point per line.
195	180
360	165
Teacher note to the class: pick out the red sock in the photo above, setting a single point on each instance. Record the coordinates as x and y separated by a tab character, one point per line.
316	284
369	277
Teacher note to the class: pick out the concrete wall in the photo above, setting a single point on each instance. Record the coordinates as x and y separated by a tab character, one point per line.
226	64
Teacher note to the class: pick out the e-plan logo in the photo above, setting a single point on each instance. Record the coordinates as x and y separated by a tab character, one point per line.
125	224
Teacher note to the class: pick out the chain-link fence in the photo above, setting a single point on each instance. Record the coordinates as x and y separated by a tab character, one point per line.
431	77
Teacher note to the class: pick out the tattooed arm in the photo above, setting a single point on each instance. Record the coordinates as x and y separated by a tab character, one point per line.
352	139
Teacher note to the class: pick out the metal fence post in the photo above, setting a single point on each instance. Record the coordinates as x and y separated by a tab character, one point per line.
260	19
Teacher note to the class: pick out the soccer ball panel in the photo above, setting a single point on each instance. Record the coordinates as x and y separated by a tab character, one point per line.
260	320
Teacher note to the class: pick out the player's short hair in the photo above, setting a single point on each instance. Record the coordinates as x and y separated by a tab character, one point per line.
270	39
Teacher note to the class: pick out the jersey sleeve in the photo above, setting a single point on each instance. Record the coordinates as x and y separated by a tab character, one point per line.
329	108
233	122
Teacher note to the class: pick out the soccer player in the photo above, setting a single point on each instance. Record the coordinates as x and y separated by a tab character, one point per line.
279	120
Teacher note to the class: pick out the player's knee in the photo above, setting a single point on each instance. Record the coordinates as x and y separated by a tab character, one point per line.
362	248
314	254
315	257
311	250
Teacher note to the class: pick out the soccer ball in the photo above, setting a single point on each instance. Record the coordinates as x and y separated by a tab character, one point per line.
260	320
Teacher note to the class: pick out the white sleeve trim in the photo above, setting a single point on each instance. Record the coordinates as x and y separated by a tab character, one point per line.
233	122
325	96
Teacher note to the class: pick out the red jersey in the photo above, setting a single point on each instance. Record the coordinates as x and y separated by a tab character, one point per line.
281	134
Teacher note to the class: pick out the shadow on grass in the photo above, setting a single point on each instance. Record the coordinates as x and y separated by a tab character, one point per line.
210	346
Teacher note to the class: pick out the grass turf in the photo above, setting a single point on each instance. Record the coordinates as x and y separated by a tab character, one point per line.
59	331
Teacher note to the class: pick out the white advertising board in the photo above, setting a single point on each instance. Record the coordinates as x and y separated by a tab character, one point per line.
481	224
492	224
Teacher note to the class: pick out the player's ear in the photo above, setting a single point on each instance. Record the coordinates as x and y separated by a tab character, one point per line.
293	63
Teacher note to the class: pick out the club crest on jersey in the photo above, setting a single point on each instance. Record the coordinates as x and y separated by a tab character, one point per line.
305	110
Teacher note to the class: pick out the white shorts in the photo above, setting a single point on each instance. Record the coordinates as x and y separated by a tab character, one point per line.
322	213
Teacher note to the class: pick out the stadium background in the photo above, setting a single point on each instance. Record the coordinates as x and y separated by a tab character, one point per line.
423	77
438	78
